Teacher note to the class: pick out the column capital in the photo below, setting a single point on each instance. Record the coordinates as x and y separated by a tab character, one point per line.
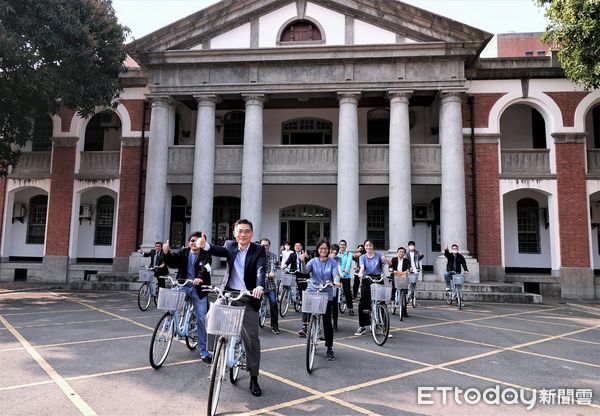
64	141
575	137
254	98
399	95
348	97
160	100
451	95
210	100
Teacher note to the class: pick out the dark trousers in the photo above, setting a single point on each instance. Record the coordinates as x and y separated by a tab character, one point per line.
161	281
364	318
346	287
355	285
335	309
272	296
250	336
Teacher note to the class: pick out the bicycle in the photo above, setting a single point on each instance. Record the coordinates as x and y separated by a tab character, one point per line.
264	312
380	319
230	354
178	319
456	281
148	289
315	303
288	281
401	283
341	300
412	288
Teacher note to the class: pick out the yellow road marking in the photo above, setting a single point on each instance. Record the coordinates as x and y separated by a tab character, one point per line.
62	344
69	323
286	347
71	394
20	386
547	322
130	370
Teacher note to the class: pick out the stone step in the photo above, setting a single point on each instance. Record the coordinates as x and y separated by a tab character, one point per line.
122	286
114	277
475	287
498	297
537	278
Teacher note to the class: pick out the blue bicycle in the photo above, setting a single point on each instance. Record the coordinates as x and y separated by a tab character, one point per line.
178	319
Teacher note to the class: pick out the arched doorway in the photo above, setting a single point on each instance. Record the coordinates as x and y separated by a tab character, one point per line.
177	237
305	224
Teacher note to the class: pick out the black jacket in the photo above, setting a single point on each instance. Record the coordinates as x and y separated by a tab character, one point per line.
405	264
460	262
180	261
292	262
161	271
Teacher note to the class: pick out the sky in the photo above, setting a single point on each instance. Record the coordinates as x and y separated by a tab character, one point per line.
494	16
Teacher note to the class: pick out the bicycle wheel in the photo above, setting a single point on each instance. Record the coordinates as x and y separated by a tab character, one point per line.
413	299
219	365
262	313
459	297
449	295
284	304
144	296
162	338
297	306
402	306
380	324
396	303
312	337
191	337
155	293
342	307
234	372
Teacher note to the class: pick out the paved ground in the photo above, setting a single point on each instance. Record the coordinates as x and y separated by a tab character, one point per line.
67	353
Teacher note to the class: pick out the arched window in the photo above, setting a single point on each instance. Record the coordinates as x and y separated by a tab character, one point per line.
99	127
377	222
528	226
36	221
105	214
301	31
233	128
42	132
179	217
306	131
378	126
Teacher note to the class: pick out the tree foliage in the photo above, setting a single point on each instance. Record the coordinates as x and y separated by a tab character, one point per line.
52	53
574	28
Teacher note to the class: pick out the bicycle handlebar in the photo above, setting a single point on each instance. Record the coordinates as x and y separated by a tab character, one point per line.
374	279
226	294
320	287
175	282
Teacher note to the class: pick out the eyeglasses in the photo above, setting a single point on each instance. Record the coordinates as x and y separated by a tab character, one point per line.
193	241
244	231
323	248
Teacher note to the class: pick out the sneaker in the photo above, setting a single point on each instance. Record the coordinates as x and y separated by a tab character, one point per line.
205	356
351	312
447	289
302	333
361	330
275	330
330	356
390	335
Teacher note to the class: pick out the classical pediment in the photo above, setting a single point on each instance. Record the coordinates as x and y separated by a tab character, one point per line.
239	19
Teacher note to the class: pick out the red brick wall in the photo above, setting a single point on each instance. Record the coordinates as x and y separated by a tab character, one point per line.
61	201
66	116
567	102
488	204
469	197
516	44
128	200
482	104
135	108
2	201
572	205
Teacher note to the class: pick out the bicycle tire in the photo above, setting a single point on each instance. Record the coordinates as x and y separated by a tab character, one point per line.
144	297
284	304
413	300
262	313
234	372
459	298
297	306
161	341
449	296
380	324
403	312
343	307
190	341
396	302
312	337
217	372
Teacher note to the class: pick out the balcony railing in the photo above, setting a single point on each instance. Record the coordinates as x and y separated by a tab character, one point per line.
526	162
593	158
32	164
99	164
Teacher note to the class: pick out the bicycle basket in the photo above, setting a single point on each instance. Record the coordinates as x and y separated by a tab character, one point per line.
314	302
146	275
225	320
401	282
412	278
458	279
170	299
381	292
288	279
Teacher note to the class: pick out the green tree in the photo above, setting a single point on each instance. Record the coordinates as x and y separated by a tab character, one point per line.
52	53
574	28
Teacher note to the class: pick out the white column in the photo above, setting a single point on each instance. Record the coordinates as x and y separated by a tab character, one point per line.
347	163
453	200
400	190
252	162
156	174
204	166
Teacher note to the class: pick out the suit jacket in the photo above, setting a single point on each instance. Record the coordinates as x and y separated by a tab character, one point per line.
404	266
418	257
460	262
161	271
292	262
254	269
180	261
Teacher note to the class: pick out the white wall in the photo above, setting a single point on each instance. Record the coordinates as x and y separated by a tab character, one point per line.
15	233
365	33
236	38
86	228
269	25
333	23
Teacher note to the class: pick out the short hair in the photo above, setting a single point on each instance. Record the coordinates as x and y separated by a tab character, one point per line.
326	242
455	245
243	221
411	243
401	248
335	247
158	242
287	243
343	241
265	239
195	234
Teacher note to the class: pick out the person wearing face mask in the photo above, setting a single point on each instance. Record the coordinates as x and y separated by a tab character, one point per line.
456	263
414	256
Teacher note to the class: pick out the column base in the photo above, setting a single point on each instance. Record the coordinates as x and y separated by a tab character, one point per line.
121	265
136	261
576	283
491	273
55	269
439	267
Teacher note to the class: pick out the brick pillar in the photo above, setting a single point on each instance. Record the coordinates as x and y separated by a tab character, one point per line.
576	274
60	201
487	186
128	210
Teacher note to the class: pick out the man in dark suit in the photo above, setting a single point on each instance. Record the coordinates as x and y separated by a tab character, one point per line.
245	270
192	263
157	262
294	262
400	265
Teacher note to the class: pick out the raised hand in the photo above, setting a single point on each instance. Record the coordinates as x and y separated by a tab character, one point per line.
201	242
166	247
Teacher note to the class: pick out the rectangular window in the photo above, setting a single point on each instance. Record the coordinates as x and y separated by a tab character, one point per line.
538	130
104	225
36	224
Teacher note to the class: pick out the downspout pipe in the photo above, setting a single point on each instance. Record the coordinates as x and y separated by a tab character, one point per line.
141	178
471	102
